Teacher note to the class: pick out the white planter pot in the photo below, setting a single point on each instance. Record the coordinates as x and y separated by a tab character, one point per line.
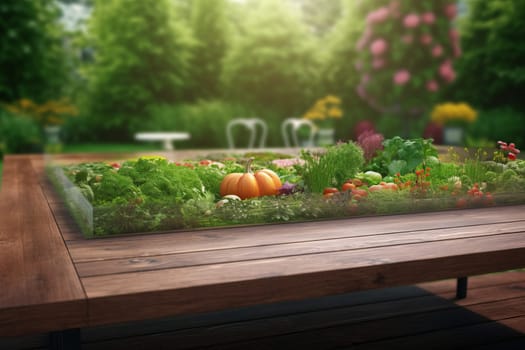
453	135
325	137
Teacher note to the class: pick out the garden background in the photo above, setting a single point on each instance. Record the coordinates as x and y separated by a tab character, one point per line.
105	69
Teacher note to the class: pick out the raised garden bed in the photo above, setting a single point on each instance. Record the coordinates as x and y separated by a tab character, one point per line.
152	194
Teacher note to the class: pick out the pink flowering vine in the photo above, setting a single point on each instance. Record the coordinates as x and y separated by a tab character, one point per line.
406	52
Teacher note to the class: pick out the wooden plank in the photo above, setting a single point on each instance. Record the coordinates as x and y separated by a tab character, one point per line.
40	288
175	291
112	266
369	319
222	238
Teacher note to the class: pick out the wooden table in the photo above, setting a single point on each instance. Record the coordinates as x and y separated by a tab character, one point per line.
52	279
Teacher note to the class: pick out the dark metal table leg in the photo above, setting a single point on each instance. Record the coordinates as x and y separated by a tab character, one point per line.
461	289
65	340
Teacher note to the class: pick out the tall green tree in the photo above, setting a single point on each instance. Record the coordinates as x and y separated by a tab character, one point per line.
272	62
141	59
339	74
319	16
493	44
31	50
210	29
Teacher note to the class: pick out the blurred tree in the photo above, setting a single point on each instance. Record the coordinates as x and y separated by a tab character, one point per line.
319	16
141	59
273	61
31	51
210	28
493	42
339	75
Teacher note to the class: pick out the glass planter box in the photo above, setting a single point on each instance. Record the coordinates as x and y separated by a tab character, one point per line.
99	221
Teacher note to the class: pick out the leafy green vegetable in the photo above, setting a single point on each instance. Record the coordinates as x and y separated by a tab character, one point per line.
403	156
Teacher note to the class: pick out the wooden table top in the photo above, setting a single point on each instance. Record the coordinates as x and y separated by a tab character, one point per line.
51	278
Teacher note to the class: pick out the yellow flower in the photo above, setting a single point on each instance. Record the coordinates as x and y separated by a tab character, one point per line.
325	108
447	113
52	112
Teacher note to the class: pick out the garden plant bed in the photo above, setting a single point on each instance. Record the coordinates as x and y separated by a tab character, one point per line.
153	194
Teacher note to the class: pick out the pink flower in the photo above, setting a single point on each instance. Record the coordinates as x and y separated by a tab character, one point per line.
451	11
437	51
358	65
428	17
365	79
411	20
447	72
425	39
401	77
432	86
378	47
407	39
378	63
378	16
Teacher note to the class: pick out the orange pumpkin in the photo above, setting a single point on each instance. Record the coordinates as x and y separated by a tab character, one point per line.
247	185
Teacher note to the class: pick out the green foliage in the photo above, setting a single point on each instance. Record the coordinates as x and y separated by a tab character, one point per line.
117	189
339	75
330	169
211	177
205	120
319	17
272	62
402	156
18	134
158	179
211	30
142	59
492	37
31	52
505	124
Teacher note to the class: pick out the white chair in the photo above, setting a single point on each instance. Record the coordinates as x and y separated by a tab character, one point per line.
292	126
252	125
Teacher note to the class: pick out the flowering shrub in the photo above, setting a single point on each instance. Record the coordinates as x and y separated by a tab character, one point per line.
52	112
324	111
406	52
509	150
370	142
453	114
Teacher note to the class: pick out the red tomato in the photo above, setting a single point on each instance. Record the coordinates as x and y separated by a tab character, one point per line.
330	190
359	192
328	195
205	162
391	186
357	182
461	203
348	186
374	188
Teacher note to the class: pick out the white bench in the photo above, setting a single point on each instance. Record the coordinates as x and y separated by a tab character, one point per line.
167	138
